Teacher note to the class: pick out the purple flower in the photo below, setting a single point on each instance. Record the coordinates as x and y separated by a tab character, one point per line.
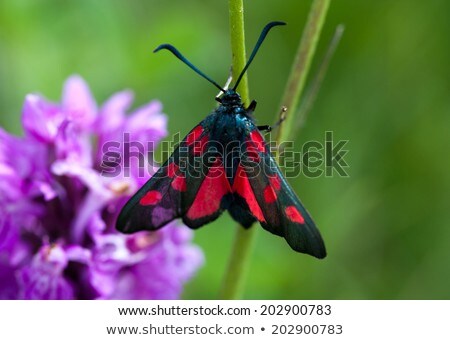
58	205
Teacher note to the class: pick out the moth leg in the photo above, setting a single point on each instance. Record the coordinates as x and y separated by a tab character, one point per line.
251	107
282	116
269	128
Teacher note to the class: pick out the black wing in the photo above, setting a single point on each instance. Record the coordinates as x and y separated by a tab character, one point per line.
271	200
190	185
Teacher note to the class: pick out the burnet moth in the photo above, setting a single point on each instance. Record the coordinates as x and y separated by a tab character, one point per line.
222	164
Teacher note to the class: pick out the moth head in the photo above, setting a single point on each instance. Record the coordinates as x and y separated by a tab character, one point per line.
230	98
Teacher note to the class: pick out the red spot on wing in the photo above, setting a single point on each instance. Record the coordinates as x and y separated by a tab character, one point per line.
194	135
258	140
209	196
252	153
269	194
242	187
179	183
255	144
275	181
172	170
294	215
151	198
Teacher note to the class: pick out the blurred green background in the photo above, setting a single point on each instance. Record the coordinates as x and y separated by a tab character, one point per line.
386	226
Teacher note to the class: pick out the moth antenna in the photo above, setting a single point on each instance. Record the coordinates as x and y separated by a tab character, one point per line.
177	54
262	36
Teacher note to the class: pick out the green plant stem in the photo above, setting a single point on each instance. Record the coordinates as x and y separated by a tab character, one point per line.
238	264
239	261
236	15
301	66
315	84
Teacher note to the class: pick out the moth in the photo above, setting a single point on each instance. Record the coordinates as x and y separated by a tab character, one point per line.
223	163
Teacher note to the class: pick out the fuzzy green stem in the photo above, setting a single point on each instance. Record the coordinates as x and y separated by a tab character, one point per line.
301	66
239	261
